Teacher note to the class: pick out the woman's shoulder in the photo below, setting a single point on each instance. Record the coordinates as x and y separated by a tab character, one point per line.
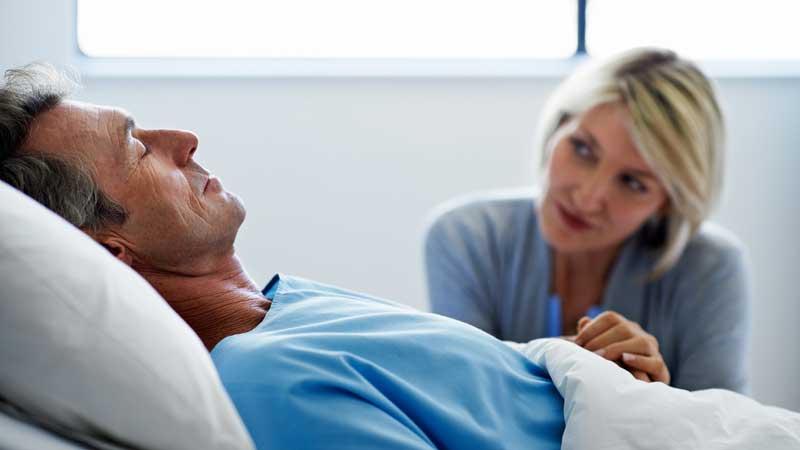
498	219
487	208
713	263
712	248
709	288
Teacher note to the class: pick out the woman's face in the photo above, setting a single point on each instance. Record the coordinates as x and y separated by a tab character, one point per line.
599	189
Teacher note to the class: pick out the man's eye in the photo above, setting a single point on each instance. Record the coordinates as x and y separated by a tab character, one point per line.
633	183
146	149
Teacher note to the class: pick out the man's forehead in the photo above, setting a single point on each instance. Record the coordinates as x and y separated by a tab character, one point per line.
71	113
75	122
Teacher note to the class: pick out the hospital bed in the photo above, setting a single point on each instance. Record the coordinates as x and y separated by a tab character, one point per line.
92	357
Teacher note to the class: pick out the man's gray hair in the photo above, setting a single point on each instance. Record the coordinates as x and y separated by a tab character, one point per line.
64	185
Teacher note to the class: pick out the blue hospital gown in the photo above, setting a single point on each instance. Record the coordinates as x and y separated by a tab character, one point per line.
333	369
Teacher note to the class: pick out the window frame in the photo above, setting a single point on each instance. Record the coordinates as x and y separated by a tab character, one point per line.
105	67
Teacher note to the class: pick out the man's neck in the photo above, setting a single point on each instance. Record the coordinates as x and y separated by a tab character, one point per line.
217	304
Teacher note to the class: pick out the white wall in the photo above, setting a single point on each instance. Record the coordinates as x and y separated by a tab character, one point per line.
338	174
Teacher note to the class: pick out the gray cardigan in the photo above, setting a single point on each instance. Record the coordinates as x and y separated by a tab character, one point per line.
488	265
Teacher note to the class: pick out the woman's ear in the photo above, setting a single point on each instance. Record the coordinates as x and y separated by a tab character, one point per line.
665	209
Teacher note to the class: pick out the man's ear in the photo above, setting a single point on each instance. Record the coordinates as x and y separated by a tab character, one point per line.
119	250
115	245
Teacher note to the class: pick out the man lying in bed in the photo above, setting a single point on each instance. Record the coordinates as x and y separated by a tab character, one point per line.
314	366
307	365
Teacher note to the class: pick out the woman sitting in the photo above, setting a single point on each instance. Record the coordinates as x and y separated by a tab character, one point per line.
614	248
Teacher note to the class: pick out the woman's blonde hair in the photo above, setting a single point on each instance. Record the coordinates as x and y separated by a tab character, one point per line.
675	122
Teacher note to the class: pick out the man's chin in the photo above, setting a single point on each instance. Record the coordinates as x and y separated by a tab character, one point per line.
241	210
236	215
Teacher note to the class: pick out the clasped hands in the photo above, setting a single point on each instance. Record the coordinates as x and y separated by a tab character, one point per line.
618	339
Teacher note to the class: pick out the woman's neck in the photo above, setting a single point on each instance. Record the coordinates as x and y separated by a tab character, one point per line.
581	277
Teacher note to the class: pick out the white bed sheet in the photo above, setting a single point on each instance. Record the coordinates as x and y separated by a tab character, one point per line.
16	434
606	408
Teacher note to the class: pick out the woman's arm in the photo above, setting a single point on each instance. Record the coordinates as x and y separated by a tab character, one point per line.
708	320
714	324
458	270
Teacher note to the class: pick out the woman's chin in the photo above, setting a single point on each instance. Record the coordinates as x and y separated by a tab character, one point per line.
564	240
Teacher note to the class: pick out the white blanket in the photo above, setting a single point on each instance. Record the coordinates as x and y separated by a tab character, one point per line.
606	408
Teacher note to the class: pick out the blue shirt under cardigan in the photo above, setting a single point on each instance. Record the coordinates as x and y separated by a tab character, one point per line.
488	265
333	369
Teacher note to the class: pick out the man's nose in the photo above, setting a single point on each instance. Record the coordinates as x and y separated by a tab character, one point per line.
183	145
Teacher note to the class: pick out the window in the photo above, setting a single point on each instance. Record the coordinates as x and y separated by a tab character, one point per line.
700	29
441	29
425	37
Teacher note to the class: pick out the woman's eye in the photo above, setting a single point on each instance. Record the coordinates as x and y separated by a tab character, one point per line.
633	184
580	148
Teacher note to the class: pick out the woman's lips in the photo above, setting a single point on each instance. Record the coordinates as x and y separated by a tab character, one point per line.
572	221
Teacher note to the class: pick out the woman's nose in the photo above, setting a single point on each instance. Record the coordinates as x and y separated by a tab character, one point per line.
591	194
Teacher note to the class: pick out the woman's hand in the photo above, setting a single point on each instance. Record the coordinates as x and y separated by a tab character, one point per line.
616	338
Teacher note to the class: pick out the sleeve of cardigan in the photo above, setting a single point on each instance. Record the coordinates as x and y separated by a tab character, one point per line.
458	265
714	322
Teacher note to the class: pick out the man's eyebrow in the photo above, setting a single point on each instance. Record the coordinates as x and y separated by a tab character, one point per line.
128	125
125	129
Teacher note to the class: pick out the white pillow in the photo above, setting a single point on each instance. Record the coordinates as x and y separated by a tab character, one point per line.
89	346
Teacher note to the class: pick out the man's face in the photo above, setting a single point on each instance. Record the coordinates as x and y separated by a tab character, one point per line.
179	217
